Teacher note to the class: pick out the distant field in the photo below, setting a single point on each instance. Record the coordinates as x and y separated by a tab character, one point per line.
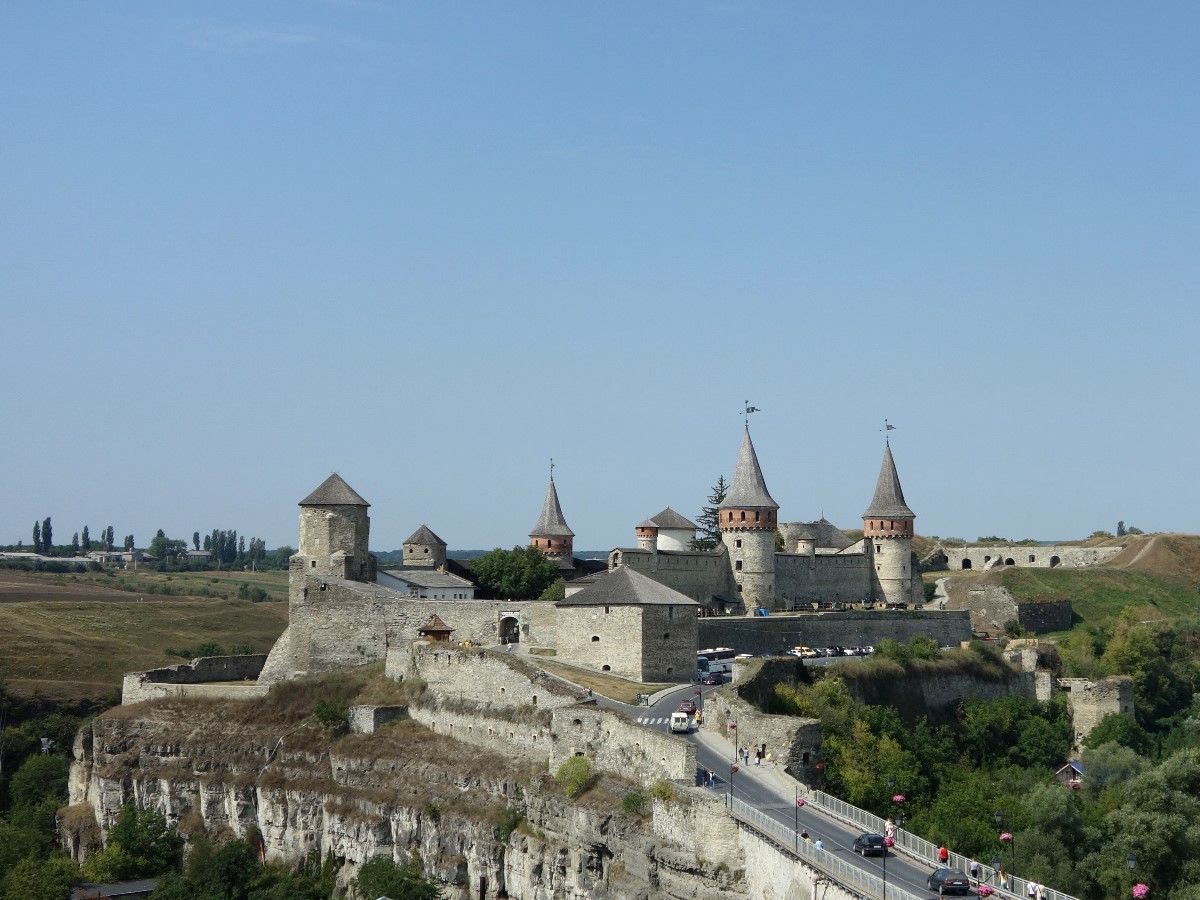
1098	594
68	637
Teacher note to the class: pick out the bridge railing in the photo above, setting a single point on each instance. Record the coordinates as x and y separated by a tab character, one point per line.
830	865
926	850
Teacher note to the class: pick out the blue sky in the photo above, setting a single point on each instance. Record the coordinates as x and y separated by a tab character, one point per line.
431	246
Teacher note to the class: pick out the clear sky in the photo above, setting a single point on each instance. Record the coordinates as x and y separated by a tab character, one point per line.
430	246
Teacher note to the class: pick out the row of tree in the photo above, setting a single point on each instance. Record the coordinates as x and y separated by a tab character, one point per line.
43	540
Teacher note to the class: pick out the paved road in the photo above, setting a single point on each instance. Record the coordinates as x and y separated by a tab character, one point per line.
770	790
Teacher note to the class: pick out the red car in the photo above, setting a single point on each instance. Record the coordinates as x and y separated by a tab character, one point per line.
688	706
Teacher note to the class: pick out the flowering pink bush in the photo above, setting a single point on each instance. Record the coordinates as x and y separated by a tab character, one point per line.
1006	836
1140	890
898	798
985	890
889	842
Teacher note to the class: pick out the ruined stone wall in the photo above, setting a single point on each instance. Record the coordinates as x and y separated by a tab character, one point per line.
1091	701
845	629
486	678
991	607
1068	556
669	635
791	742
615	744
527	736
1042	616
205	670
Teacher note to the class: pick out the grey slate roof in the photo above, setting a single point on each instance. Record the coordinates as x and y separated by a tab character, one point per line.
551	522
424	536
625	587
888	502
748	490
333	491
428	578
668	518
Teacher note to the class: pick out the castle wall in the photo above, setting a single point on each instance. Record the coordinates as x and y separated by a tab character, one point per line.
335	623
614	744
992	607
604	638
1043	616
848	629
475	676
801	578
216	674
1091	701
1028	557
752	557
698	575
669	636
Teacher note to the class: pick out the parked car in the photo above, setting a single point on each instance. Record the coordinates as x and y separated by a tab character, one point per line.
949	881
807	653
712	678
687	706
870	845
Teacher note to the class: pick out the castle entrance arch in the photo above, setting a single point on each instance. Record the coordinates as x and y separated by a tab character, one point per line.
510	630
966	564
1054	562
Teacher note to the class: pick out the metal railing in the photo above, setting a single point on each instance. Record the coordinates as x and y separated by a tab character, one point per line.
926	850
828	864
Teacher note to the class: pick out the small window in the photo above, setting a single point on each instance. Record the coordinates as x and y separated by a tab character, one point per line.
667	637
606	668
743	516
1032	558
737	544
737	565
314	563
595	638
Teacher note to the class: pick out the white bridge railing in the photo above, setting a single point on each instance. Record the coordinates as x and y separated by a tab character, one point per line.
830	865
923	849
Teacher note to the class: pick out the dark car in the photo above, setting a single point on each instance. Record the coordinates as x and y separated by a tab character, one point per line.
949	881
687	706
870	845
712	678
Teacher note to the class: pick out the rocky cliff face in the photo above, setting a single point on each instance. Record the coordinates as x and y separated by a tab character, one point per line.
223	766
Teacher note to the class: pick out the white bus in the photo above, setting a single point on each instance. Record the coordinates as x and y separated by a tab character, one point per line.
715	659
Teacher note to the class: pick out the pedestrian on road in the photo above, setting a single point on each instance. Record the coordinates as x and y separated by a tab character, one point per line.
889	829
804	835
819	845
975	872
1002	879
943	855
712	778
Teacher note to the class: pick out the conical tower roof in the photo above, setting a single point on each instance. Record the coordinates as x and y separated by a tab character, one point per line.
748	490
334	491
551	522
424	536
888	502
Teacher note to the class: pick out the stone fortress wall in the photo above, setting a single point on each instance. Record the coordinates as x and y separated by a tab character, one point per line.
1091	701
803	578
1035	557
826	629
991	607
698	575
206	676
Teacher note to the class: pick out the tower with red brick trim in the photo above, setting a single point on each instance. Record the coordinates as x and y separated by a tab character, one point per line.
748	519
887	534
551	534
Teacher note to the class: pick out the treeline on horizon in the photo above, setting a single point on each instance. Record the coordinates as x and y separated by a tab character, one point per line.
226	546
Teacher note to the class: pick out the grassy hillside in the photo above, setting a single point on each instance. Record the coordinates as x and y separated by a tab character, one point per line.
69	638
1102	593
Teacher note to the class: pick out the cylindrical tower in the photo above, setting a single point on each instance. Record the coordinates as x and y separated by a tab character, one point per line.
551	534
647	535
748	519
887	533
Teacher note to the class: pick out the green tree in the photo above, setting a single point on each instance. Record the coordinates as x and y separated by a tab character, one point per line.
195	540
518	574
75	544
37	537
152	847
1122	729
109	539
709	520
47	536
575	775
380	877
41	879
86	541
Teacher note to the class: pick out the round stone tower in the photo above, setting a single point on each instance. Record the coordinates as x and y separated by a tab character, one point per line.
647	535
334	530
748	519
551	534
887	533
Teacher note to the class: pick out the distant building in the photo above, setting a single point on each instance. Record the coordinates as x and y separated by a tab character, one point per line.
426	584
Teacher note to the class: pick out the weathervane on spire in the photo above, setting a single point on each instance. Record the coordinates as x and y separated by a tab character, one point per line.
552	468
746	414
887	426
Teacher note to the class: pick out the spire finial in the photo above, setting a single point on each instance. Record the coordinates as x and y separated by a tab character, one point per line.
887	426
552	468
746	414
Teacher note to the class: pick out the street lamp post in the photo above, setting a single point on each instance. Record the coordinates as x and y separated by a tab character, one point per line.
733	728
997	862
1131	862
1012	838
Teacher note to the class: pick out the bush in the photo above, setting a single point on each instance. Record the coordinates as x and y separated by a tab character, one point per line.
507	821
575	775
663	791
633	804
1013	628
380	877
330	714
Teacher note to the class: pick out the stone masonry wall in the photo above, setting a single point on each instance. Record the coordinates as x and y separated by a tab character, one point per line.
990	607
832	577
1091	701
604	638
845	629
615	744
669	635
490	679
1029	557
170	680
695	575
1044	616
335	623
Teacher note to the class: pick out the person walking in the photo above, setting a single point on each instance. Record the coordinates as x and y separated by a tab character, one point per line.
975	872
943	855
889	829
1002	879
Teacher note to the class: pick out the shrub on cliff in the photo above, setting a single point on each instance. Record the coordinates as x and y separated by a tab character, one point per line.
575	776
380	877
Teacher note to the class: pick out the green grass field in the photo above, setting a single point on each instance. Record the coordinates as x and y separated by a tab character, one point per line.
1099	594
